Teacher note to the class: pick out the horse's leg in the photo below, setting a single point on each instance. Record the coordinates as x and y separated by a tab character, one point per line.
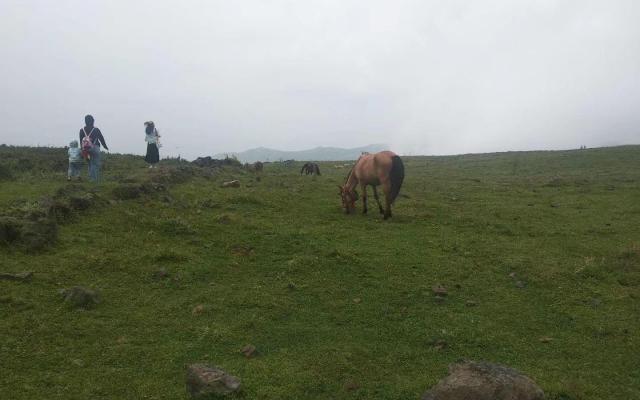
375	195
364	198
386	188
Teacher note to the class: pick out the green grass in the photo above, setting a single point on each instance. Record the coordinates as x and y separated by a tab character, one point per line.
328	298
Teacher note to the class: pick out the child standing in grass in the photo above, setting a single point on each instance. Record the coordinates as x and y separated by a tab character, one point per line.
75	160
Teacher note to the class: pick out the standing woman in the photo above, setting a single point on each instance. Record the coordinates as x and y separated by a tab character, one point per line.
153	142
90	139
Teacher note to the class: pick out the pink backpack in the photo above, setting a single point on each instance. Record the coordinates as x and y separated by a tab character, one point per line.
86	143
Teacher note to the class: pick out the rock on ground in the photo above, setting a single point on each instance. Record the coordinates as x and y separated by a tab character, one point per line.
79	296
21	276
234	183
484	381
204	381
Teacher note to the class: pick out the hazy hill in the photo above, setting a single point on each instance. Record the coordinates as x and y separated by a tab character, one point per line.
315	154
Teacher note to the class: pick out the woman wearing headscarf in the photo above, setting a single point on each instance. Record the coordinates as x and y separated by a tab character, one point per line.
153	143
90	139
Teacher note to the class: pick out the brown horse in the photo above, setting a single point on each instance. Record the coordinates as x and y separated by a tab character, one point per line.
384	168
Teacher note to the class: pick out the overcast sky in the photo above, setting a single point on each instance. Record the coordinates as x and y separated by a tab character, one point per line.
425	77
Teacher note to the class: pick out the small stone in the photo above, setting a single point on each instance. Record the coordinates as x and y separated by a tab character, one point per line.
21	276
249	351
80	297
351	386
471	303
545	339
439	291
440	344
161	274
234	183
77	362
484	381
357	300
204	381
197	310
512	275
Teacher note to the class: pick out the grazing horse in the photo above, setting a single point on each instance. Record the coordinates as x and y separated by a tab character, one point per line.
310	168
384	168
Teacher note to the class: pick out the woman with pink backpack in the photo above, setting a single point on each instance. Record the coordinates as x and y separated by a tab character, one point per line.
90	139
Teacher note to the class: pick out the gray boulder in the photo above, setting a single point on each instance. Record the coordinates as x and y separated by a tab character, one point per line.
81	297
205	382
470	380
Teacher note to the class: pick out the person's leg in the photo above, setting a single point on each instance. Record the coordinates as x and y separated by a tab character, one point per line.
98	163
75	170
94	164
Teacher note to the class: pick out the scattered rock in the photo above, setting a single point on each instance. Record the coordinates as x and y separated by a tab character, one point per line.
545	339
198	310
471	303
512	275
77	362
204	381
484	381
21	276
234	183
351	386
357	300
439	344
249	351
439	291
81	297
161	274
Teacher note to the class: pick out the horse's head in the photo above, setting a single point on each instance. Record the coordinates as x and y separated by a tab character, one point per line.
349	198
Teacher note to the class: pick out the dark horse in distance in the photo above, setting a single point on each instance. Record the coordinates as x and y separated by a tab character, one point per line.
310	168
385	169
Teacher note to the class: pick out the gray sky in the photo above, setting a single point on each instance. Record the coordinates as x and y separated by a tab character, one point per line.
426	77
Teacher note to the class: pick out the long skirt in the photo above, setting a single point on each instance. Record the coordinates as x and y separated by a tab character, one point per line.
153	155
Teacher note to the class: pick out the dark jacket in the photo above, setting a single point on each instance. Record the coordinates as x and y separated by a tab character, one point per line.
95	136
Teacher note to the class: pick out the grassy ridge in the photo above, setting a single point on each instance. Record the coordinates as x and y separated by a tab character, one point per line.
547	244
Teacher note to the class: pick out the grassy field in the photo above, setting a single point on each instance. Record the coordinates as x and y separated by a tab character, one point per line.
539	252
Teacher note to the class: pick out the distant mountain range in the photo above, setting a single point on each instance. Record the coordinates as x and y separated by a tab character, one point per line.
316	154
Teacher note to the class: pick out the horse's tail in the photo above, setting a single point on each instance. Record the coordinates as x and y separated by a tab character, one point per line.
396	176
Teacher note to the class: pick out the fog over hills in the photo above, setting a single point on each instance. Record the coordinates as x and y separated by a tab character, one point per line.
316	154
